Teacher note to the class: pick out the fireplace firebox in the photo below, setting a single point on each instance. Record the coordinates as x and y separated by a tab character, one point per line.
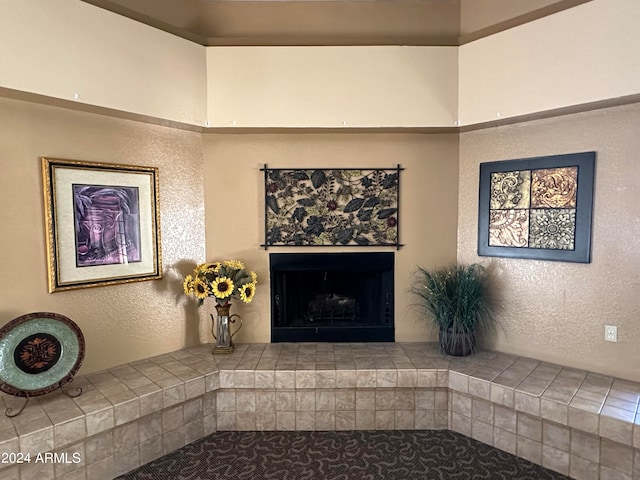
332	297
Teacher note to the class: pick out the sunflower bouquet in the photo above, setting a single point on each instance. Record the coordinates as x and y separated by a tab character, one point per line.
222	281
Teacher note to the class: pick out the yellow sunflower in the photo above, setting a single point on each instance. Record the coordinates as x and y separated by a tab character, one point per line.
254	277
187	285
201	289
247	291
222	287
235	264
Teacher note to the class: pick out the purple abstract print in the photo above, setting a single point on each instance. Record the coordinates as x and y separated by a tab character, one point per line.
107	225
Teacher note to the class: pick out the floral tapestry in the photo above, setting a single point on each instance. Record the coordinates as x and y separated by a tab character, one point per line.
316	207
537	207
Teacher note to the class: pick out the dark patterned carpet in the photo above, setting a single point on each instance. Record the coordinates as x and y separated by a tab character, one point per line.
356	455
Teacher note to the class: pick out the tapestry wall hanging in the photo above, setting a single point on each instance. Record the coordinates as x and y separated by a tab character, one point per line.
331	207
538	208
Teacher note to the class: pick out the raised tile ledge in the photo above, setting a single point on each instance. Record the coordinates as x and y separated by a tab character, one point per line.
590	404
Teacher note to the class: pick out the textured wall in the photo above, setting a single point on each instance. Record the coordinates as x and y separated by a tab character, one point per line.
557	311
235	205
121	323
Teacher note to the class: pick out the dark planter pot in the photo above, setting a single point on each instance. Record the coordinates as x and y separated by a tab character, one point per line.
458	344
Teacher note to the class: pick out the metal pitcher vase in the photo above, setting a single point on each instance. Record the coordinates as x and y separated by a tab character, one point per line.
221	329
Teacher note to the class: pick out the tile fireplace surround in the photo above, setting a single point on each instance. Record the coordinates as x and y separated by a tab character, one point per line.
581	424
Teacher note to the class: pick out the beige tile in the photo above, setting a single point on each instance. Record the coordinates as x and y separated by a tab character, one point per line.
69	432
173	440
305	379
405	399
226	421
265	421
443	378
479	388
226	401
345	400
553	411
481	431
366	378
126	411
192	410
405	419
555	459
585	446
636	434
441	399
424	399
425	419
523	402
172	418
384	420
245	401
194	388
441	419
504	440
212	381
584	421
74	459
461	424
427	378
615	429
151	401
38	441
306	421
365	420
461	404
285	401
124	462
325	420
98	448
459	382
482	411
407	378
210	424
36	471
173	396
365	400
616	456
502	395
227	379
556	436
100	421
607	473
266	401
529	427
346	420
245	421
582	469
149	427
326	379
529	449
11	472
346	379
386	378
305	401
504	419
285	379
385	400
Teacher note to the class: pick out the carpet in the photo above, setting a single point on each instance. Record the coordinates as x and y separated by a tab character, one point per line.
352	455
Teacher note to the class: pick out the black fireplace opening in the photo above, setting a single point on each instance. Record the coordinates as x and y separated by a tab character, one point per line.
332	297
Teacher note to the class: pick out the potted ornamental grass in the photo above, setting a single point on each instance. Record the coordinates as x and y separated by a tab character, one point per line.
456	298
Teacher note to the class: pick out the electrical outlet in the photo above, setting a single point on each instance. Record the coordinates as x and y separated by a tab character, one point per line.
610	333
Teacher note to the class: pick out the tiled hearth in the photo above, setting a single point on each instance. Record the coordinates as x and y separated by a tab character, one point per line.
575	422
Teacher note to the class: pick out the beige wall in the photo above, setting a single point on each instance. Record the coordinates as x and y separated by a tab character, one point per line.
60	48
584	54
373	86
557	311
125	322
235	207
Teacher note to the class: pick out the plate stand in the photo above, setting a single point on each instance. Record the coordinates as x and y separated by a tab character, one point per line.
60	385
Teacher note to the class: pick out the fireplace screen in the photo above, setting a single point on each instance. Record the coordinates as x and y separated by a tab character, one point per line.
332	297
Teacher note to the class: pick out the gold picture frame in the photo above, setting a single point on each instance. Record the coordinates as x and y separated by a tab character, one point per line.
102	223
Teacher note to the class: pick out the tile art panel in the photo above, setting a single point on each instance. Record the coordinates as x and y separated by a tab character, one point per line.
510	189
554	187
509	228
552	228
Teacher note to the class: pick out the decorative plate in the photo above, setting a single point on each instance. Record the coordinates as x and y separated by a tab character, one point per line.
39	353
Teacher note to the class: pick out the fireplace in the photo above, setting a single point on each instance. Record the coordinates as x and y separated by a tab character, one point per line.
332	297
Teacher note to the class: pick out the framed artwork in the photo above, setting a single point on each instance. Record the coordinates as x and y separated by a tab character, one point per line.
538	208
102	222
331	207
